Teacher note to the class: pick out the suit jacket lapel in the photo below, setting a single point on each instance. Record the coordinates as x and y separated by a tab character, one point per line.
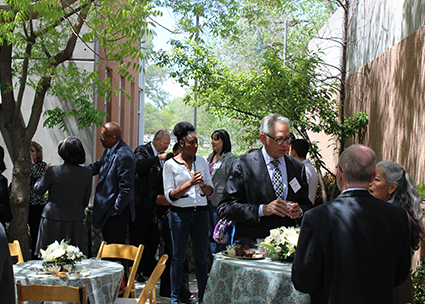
217	165
290	173
262	170
105	168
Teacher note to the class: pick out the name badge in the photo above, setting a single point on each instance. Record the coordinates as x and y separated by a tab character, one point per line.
295	185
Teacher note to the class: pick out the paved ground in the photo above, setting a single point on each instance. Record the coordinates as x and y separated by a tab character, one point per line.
162	300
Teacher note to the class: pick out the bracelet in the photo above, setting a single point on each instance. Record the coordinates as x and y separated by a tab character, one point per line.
203	186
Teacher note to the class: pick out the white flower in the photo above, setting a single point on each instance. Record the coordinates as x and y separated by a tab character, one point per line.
292	237
268	239
275	234
277	249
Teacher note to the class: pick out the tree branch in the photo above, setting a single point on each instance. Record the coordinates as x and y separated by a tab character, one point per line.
33	15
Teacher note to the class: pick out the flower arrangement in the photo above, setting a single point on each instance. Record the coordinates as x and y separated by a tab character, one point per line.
61	256
282	241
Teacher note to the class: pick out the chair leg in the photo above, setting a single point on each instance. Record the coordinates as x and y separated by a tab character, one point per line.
133	292
153	296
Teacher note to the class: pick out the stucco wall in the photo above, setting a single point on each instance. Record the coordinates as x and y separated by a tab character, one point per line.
385	57
391	89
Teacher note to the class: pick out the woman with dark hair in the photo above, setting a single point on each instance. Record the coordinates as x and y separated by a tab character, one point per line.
69	188
394	185
220	162
162	210
5	211
37	202
187	182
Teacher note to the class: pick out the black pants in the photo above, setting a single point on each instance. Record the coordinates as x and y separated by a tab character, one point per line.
115	229
34	217
144	230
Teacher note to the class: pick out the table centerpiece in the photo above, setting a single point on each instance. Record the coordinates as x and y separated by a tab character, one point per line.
61	256
281	243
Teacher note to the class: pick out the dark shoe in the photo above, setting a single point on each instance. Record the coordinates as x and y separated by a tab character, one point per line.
190	300
139	278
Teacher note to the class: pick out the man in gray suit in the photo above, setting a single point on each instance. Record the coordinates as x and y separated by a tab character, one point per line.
355	248
266	189
113	208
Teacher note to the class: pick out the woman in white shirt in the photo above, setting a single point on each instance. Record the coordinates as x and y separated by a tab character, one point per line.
187	182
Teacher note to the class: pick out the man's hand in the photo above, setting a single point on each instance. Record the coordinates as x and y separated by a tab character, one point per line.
282	208
162	156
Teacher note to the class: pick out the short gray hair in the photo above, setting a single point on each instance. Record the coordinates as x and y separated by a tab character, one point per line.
268	122
159	134
357	163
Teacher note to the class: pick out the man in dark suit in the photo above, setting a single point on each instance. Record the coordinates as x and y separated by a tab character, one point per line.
113	207
355	248
144	230
266	189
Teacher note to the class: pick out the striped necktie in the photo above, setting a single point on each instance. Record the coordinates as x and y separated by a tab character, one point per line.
277	179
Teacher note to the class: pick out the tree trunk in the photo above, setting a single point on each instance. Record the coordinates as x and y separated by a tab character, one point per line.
19	195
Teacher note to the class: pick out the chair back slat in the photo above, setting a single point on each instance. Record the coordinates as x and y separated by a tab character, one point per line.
15	251
53	293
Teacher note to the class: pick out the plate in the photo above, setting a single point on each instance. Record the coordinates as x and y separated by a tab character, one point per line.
240	257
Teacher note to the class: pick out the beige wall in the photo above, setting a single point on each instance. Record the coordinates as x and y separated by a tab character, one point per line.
391	89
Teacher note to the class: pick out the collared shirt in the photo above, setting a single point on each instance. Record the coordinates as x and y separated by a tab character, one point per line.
353	189
282	167
270	168
155	152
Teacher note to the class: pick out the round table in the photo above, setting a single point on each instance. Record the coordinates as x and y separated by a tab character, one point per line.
102	283
235	280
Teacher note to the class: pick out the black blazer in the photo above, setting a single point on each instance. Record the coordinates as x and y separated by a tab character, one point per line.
249	186
148	166
353	249
69	188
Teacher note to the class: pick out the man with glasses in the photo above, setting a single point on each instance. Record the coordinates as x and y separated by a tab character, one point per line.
266	189
144	230
113	207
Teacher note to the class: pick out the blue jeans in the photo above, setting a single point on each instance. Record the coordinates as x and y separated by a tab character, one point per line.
181	224
212	222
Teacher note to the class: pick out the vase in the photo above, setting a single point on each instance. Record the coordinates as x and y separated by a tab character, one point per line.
274	257
288	259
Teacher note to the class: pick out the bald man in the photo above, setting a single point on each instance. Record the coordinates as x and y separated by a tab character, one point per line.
355	248
113	208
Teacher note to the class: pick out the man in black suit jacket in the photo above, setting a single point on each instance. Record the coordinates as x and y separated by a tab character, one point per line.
250	199
113	207
144	230
355	248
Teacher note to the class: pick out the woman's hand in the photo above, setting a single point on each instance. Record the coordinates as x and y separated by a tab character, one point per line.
197	179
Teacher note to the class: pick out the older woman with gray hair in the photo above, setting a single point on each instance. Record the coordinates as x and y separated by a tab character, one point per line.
394	185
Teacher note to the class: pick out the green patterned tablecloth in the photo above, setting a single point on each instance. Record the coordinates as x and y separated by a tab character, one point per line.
102	283
241	281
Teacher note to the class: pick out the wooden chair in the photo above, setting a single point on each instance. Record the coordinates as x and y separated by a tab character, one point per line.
56	293
15	251
127	252
148	291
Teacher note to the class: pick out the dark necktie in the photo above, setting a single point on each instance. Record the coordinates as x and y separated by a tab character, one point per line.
277	179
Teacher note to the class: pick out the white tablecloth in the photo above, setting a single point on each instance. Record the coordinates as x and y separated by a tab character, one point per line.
102	283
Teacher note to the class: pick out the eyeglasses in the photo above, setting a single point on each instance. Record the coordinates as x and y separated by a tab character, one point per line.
339	169
281	140
104	135
165	143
